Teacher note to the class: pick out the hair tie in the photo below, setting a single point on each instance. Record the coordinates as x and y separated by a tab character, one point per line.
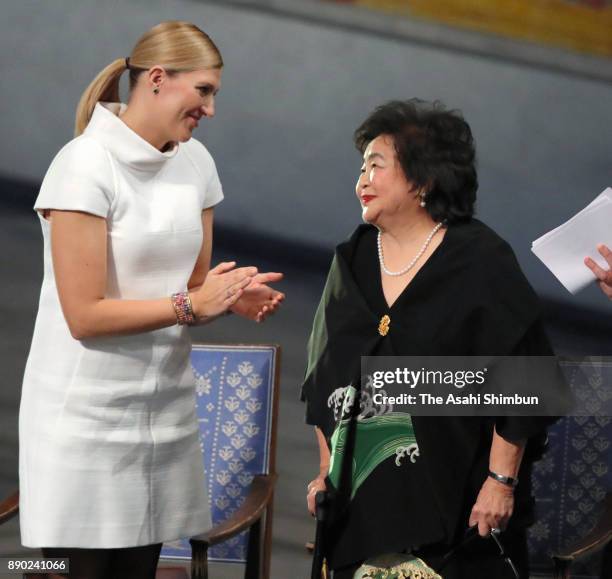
127	62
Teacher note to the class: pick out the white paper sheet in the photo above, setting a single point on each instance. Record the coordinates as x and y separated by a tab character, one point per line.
563	249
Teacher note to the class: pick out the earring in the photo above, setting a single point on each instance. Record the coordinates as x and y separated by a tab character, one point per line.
156	90
422	203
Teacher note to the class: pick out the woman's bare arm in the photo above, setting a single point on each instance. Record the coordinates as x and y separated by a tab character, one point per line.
495	502
318	484
78	247
323	453
505	456
202	265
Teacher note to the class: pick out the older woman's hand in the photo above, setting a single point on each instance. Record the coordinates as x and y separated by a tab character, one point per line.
604	276
314	487
493	507
258	300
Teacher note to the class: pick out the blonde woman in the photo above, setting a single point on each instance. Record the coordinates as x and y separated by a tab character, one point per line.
110	464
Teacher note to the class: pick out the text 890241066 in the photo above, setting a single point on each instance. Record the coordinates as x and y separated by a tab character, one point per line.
17	566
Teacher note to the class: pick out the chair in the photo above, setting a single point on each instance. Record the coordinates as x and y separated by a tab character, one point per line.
237	406
599	539
572	482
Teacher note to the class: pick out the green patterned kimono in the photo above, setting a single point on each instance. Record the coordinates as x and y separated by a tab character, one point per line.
377	438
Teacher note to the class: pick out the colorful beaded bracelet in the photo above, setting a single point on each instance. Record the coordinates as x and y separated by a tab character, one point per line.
181	302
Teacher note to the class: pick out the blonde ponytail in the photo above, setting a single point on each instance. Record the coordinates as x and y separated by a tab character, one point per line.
105	88
178	46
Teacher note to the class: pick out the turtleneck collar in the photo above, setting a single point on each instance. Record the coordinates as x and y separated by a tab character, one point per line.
126	145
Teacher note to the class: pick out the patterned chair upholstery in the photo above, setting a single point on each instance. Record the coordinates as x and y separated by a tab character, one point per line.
237	401
573	478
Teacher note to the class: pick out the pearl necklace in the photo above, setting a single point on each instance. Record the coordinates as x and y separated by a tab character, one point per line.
416	257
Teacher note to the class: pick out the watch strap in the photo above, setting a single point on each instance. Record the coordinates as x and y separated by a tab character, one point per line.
507	480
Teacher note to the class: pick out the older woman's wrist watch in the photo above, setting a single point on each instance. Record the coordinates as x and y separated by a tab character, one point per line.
507	480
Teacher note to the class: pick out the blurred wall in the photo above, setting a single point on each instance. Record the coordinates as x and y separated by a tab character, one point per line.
293	92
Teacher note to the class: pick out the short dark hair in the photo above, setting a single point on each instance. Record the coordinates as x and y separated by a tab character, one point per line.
435	149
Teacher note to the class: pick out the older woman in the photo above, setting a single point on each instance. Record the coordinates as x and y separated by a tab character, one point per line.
421	277
110	463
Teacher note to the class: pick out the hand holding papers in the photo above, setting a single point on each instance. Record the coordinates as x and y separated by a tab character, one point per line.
604	276
563	249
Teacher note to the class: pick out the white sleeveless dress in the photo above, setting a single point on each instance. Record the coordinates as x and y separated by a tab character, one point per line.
109	450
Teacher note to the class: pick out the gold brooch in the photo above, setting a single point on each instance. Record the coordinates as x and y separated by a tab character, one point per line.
383	326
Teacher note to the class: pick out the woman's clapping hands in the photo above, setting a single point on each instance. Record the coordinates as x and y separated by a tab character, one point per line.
257	301
221	289
242	291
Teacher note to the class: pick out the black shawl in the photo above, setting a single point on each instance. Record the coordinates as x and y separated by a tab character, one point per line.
469	298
